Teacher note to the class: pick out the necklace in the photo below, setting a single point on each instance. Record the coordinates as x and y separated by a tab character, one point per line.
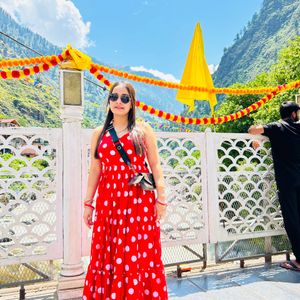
120	131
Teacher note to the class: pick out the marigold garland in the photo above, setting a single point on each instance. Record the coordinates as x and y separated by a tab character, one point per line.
19	74
53	59
204	121
44	63
173	85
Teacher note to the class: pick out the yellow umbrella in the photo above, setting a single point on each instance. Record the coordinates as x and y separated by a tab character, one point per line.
196	73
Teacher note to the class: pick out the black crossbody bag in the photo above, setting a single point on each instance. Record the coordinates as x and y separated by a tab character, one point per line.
145	180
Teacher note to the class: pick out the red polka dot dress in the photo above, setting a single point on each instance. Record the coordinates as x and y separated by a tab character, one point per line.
126	251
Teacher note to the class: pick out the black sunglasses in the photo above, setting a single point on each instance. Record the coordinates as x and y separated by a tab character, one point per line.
114	97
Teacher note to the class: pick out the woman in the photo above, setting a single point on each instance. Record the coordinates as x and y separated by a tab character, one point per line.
126	250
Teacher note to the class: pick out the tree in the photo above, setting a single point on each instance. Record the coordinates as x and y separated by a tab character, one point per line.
286	69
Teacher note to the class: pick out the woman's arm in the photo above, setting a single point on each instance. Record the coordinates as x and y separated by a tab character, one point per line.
95	167
93	179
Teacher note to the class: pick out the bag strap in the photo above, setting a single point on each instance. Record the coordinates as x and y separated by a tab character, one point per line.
119	147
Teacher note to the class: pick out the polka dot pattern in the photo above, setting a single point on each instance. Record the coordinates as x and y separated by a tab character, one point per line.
125	250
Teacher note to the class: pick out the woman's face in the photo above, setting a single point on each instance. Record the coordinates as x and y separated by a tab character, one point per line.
117	101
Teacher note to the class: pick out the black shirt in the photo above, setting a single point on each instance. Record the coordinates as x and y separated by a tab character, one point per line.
285	142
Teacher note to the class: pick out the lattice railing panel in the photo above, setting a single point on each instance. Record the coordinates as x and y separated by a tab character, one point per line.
247	196
181	156
30	194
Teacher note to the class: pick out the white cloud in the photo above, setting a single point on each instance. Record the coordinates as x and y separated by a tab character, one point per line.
159	74
212	68
59	21
168	77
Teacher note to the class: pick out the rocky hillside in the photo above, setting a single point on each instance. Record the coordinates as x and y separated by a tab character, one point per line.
256	47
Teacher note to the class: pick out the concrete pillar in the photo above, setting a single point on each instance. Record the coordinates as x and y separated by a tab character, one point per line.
71	279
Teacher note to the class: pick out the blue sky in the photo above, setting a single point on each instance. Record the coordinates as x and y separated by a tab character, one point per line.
150	34
157	34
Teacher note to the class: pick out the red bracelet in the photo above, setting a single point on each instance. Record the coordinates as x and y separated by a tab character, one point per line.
89	205
161	203
88	201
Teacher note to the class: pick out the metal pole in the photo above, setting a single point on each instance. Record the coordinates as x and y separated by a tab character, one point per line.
22	292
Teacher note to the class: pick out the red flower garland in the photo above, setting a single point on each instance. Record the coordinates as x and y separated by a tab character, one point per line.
205	121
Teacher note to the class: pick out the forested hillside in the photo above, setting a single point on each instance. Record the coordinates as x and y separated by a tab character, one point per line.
35	101
285	70
256	46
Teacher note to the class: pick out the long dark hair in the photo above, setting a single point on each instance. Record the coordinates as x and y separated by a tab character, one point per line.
135	132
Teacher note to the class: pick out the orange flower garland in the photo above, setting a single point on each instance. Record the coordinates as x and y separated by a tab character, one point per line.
173	85
43	63
204	121
99	76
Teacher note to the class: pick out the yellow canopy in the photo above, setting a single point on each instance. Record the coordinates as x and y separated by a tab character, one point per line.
196	73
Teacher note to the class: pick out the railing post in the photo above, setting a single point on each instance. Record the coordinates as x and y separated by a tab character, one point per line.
71	86
212	187
268	249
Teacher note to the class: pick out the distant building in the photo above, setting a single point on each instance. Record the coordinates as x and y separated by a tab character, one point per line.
18	142
9	123
4	123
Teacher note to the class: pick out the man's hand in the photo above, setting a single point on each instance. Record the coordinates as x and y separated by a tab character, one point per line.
256	129
255	144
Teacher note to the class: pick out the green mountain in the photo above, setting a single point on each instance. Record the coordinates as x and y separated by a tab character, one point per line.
35	102
255	48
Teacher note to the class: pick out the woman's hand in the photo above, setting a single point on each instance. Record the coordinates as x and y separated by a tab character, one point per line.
88	217
161	209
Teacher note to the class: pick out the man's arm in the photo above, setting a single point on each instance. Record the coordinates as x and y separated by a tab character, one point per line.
256	129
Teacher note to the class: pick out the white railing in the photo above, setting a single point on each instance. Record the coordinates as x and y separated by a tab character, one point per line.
219	189
244	201
30	194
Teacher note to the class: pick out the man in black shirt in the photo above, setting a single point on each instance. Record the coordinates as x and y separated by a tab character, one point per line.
285	142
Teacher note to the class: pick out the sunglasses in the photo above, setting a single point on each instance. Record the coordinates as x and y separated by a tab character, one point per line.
114	97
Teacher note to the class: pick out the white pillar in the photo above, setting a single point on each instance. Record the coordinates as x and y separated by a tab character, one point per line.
72	218
71	87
